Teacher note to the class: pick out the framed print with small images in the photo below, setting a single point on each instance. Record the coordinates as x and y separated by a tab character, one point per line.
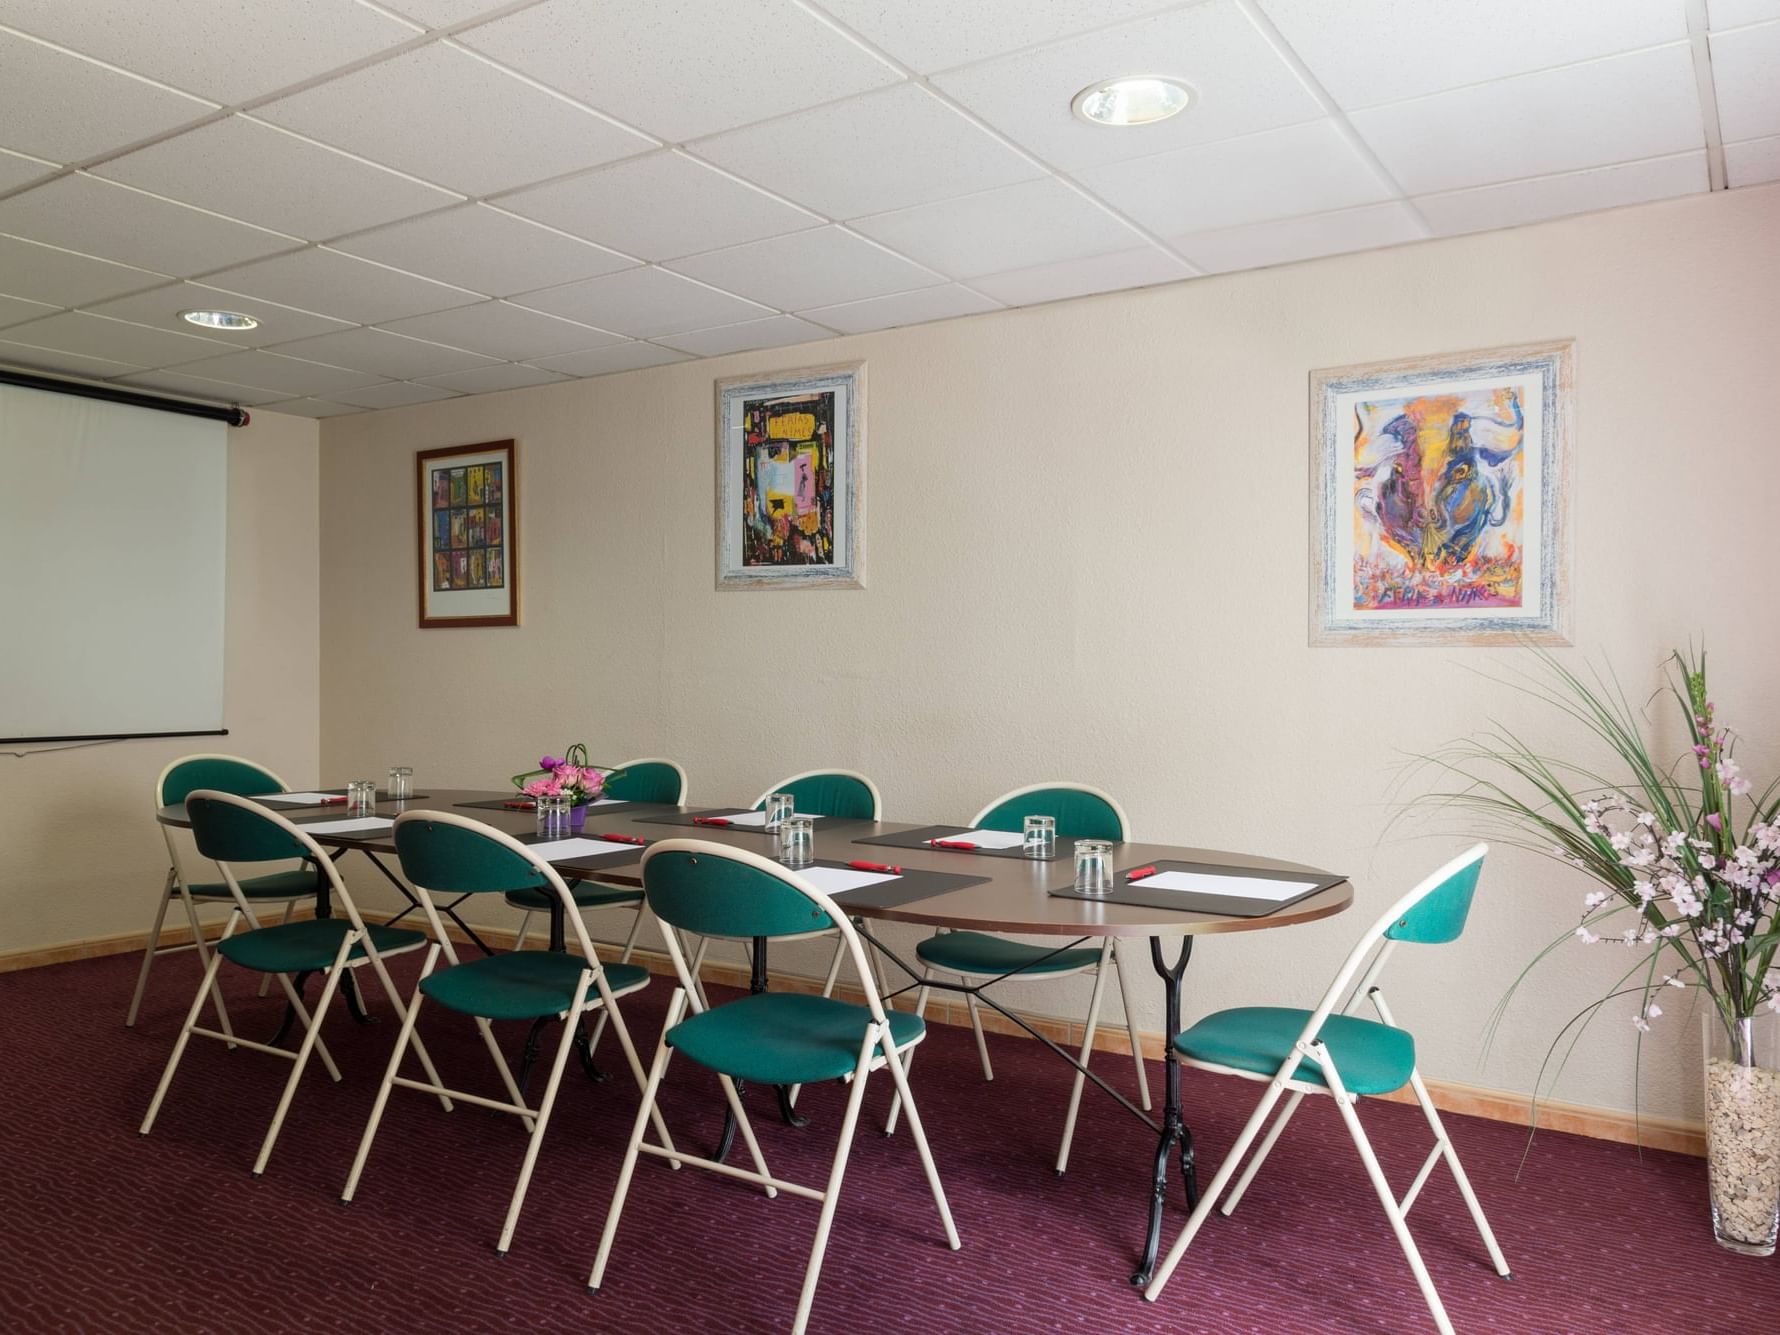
467	500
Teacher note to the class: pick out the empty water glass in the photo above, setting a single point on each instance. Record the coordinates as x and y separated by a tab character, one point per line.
1041	836
401	783
778	807
1093	866
553	816
797	841
361	797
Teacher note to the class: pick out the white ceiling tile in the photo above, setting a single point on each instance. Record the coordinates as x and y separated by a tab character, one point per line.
492	379
347	288
268	177
312	408
1241	85
885	150
444	13
776	331
383	353
1619	109
686	69
900	308
500	329
1746	75
1276	174
642	303
115	222
445	116
930	35
16	170
61	277
68	363
162	307
484	249
16	310
1036	222
1289	239
1079	278
1734	13
113	340
660	207
59	106
267	370
198	387
1753	162
228	50
1511	203
819	268
604	361
394	394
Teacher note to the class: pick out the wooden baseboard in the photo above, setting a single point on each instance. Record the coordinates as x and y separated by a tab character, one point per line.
1656	1133
124	943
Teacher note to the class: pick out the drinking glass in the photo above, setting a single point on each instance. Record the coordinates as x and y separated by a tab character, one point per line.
1093	866
797	841
553	816
778	807
401	783
1041	836
361	797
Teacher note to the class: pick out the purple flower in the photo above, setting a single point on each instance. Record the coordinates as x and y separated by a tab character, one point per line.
548	762
1715	820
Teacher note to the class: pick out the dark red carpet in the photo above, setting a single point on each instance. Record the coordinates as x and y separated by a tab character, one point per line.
101	1230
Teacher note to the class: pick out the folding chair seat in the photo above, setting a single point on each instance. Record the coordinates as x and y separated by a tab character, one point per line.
1327	1051
233	831
711	890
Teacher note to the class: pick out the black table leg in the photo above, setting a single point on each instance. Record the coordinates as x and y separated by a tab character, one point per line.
1174	1133
756	985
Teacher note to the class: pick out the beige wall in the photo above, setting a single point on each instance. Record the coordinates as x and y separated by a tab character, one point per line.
79	856
1088	555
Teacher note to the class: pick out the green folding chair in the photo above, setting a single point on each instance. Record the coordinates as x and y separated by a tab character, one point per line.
1328	1051
769	1038
233	830
453	856
229	774
1081	812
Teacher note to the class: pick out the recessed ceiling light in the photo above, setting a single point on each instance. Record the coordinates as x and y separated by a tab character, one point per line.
220	319
1141	99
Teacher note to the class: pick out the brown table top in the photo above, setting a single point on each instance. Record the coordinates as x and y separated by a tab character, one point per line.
1014	898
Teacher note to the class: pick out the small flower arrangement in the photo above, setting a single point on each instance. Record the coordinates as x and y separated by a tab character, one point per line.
570	775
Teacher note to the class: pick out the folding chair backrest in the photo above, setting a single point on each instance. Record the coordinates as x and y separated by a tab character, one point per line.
1439	915
1081	811
711	892
229	828
648	781
455	856
840	794
225	774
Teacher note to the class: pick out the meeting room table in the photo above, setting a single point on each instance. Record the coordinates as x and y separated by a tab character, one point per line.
964	891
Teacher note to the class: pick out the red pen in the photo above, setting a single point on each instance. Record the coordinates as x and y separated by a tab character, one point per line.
711	820
621	839
875	866
1138	873
516	806
951	843
330	801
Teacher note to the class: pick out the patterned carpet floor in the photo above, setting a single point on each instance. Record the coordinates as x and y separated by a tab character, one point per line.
101	1230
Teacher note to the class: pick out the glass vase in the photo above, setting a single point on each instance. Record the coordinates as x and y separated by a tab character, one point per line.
1743	1130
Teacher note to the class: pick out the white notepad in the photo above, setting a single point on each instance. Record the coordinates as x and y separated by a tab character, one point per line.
985	838
758	818
1230	887
838	880
567	850
299	799
357	825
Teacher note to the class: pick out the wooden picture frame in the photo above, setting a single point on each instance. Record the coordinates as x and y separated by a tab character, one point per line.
791	479
1439	499
467	531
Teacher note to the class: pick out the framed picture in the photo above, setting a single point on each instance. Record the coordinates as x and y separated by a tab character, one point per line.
467	499
791	480
1439	487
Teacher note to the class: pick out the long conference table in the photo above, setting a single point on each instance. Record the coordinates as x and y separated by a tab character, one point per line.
1011	895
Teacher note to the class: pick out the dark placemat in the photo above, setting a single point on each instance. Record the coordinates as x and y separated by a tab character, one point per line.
918	839
908	887
1189	901
501	804
382	796
823	823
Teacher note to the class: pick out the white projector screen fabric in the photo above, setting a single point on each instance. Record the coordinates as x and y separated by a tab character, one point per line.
113	525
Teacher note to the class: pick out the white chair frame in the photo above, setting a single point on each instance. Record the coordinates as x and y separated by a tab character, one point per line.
1110	952
686	997
1339	999
177	887
341	966
534	1119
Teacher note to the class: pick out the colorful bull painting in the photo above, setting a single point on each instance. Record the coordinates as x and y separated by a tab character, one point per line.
1439	496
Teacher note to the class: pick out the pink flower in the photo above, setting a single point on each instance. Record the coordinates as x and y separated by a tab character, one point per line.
1715	820
536	788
